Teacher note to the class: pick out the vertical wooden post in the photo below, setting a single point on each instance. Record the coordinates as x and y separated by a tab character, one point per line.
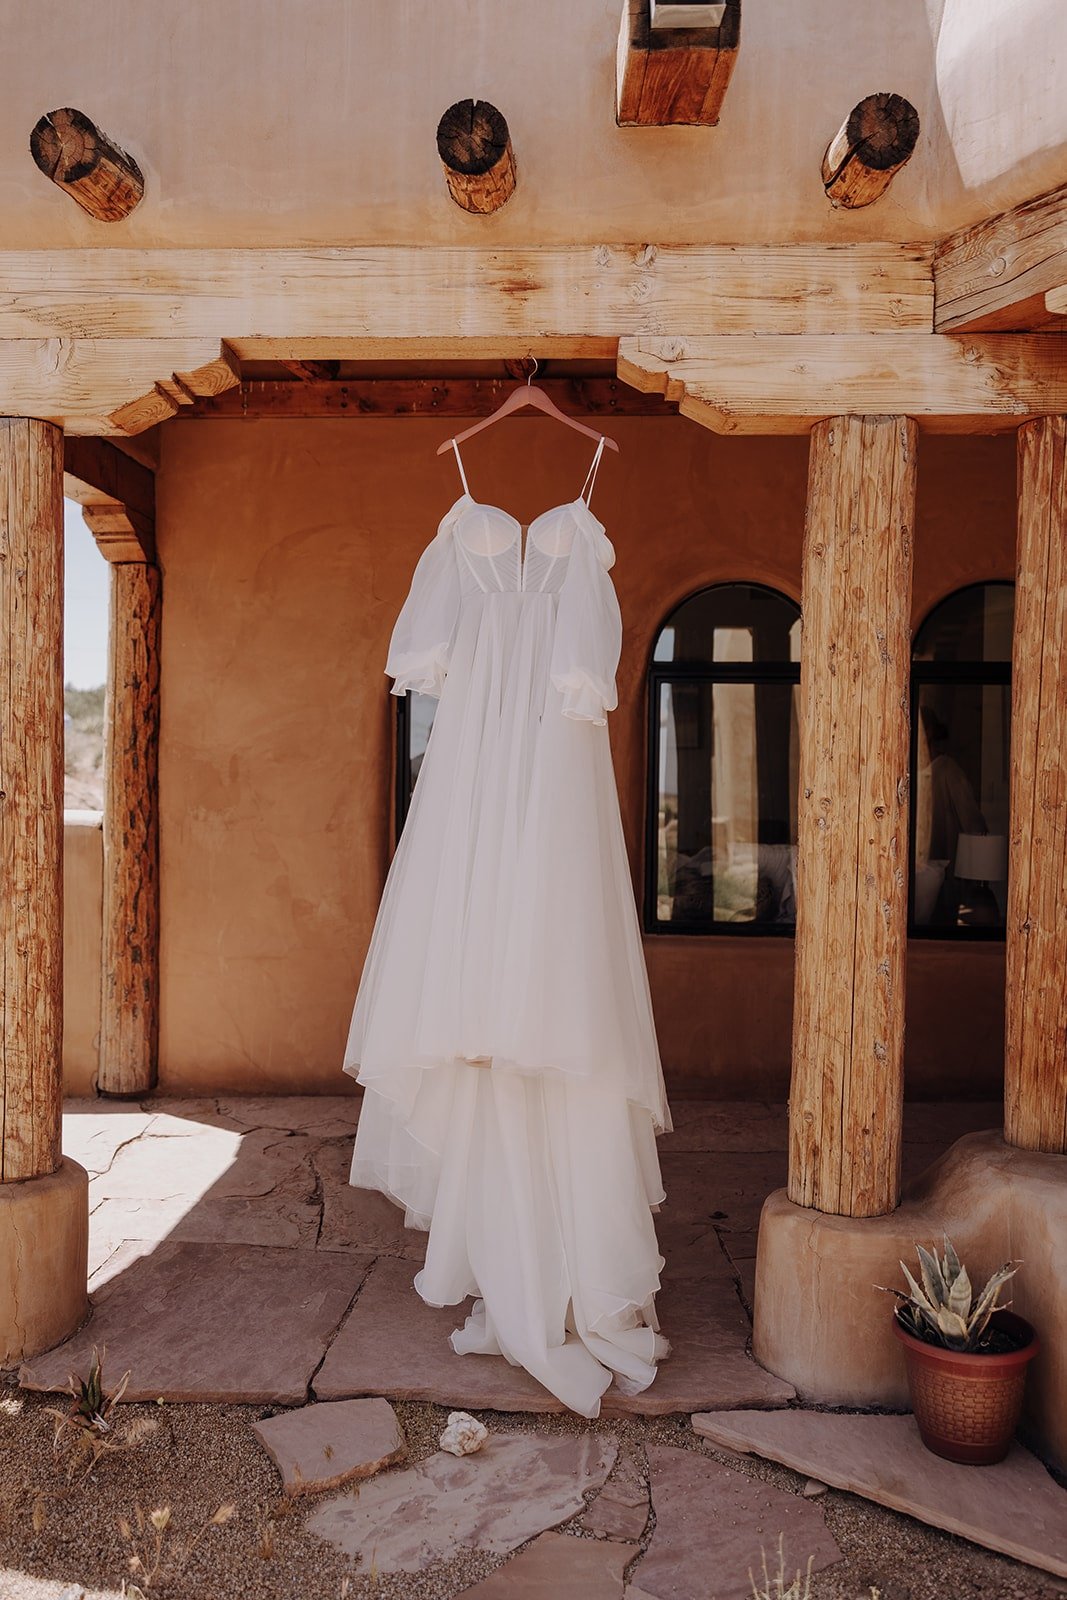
852	858
1035	1071
31	796
130	989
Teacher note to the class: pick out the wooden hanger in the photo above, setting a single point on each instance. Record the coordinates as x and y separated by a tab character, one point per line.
526	394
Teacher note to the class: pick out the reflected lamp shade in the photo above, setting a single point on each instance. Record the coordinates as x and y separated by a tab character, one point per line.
982	857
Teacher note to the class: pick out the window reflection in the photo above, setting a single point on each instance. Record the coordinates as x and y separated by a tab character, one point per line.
961	742
723	690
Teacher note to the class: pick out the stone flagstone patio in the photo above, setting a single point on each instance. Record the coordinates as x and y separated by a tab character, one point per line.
231	1260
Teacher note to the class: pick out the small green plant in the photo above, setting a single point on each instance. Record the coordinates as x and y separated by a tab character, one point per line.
86	1432
944	1309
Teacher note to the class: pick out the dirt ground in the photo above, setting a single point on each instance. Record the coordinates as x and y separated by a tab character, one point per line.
62	1539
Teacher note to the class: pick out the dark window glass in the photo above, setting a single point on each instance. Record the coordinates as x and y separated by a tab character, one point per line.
414	719
722	793
961	764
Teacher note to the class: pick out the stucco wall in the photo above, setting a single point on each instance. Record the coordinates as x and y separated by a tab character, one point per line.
83	866
259	124
287	549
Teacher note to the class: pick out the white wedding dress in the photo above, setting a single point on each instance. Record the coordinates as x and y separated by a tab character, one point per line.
503	1028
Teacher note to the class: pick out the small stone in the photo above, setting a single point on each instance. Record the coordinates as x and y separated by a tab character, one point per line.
322	1446
516	1487
464	1434
555	1567
814	1488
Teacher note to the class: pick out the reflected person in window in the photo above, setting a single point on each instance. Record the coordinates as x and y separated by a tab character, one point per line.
953	809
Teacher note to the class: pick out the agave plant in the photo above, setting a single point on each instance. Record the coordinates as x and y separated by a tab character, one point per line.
945	1306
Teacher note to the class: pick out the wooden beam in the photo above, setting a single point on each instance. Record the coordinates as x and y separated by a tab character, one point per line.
667	76
130	988
103	178
979	383
996	274
31	797
445	295
475	149
875	140
1056	300
1035	1068
418	397
846	1098
312	371
101	386
121	534
94	470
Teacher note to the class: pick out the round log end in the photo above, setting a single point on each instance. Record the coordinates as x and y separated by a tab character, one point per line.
71	150
883	131
475	149
472	136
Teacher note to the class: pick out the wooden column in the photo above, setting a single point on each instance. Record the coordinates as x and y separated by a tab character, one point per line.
130	990
1035	1072
852	857
31	796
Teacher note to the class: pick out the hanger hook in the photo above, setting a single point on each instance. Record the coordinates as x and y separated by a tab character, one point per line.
532	371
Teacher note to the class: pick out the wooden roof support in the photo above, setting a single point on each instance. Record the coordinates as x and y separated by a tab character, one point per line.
117	497
666	76
71	150
980	383
875	140
1006	273
1035	1068
129	1021
417	397
475	149
31	798
847	1092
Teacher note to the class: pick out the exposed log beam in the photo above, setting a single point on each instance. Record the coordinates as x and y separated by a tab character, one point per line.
980	383
418	397
996	274
475	149
312	371
1056	299
71	150
328	297
666	76
875	140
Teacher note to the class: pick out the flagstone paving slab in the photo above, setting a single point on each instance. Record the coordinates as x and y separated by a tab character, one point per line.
322	1446
517	1485
556	1567
620	1510
393	1344
211	1322
1014	1507
360	1219
713	1526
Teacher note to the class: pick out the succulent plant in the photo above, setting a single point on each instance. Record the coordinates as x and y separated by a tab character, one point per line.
945	1308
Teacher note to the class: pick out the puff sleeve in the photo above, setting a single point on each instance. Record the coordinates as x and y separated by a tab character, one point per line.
588	639
421	644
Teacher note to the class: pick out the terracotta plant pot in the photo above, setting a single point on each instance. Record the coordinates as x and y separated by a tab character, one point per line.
967	1406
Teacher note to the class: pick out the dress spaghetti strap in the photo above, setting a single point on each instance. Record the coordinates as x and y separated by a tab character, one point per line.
590	477
459	464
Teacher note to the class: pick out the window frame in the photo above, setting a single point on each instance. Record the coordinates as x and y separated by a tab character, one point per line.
659	673
973	674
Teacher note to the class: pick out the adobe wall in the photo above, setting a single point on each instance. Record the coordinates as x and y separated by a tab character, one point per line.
287	548
257	124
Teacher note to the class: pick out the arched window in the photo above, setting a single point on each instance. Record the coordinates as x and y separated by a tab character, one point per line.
960	762
722	785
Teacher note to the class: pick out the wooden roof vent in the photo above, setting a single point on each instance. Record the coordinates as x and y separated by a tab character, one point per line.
674	61
86	164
